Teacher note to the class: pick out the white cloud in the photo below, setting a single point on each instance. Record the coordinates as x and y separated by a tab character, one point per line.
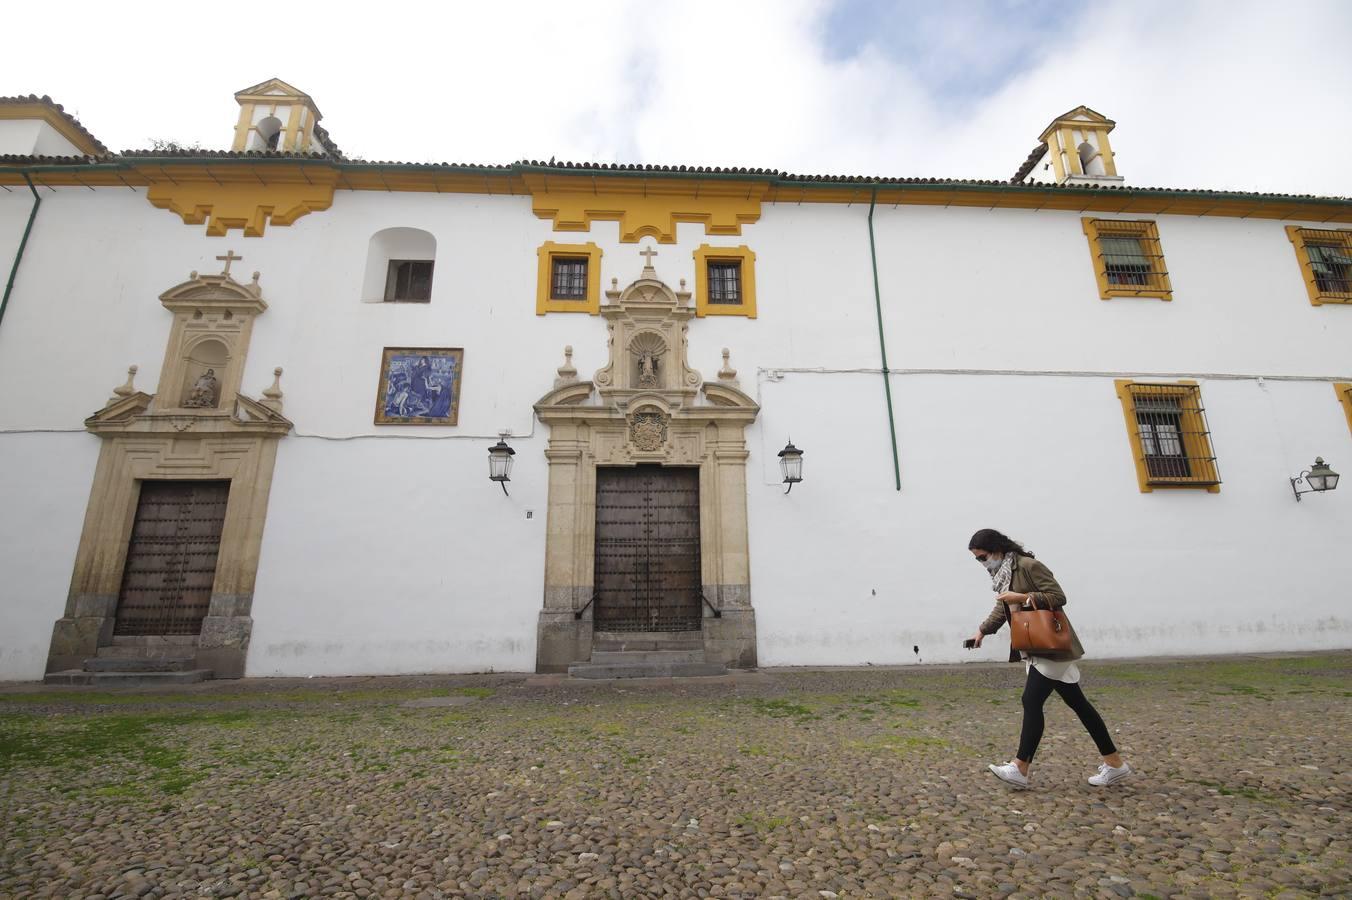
1236	95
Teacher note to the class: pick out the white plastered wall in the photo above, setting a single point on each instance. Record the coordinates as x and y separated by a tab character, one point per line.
387	549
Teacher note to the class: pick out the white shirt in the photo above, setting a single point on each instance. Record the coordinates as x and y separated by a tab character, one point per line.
1063	670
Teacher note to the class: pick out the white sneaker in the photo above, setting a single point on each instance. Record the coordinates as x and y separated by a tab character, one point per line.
1107	774
1010	774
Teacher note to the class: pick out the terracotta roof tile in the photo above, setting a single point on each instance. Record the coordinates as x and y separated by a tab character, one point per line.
44	100
1028	164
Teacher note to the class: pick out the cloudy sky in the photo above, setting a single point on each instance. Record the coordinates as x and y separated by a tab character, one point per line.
1223	94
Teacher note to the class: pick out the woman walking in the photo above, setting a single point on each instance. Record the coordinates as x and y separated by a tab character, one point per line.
1019	580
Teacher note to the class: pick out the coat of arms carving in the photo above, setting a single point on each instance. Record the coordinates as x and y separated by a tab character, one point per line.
648	431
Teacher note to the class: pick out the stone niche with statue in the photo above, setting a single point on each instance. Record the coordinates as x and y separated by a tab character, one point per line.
197	426
646	405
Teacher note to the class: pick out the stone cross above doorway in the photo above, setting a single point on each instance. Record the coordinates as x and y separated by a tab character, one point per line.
646	406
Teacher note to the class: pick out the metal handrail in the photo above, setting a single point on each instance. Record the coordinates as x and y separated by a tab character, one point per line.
577	614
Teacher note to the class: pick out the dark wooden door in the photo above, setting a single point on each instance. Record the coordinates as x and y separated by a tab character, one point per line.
647	549
171	560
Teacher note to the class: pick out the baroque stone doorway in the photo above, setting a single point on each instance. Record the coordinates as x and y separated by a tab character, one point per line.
646	407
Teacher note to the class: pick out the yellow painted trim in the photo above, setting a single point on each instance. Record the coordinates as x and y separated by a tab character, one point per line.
744	255
1196	442
1159	288
1344	391
239	200
1299	236
243	127
291	138
53	118
1058	160
452	181
1072	151
545	269
1106	151
645	209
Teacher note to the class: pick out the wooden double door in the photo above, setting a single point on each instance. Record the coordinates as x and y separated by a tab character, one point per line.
171	558
647	573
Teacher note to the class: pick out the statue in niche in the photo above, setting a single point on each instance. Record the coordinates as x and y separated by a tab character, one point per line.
647	369
204	391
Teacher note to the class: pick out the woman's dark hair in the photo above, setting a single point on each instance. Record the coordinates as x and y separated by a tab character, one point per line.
992	541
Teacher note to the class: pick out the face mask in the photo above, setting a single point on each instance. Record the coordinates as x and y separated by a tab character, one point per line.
993	563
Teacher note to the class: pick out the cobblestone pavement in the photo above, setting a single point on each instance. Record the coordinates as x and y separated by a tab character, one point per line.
787	783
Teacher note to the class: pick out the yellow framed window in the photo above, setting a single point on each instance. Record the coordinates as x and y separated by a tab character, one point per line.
568	278
725	281
1128	259
1344	390
1170	441
1325	258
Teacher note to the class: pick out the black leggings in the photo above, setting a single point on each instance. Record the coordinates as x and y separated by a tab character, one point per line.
1036	692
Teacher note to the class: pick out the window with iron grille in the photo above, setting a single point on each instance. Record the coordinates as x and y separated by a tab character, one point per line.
725	282
1325	258
1128	259
409	281
568	279
1169	436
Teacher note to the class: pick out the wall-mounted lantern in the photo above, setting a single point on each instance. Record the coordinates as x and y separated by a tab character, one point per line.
791	464
500	462
1319	477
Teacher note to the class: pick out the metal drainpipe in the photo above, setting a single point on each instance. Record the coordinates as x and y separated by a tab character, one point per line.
882	340
14	270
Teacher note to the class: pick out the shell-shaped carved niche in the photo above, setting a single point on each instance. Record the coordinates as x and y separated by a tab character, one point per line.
202	374
648	363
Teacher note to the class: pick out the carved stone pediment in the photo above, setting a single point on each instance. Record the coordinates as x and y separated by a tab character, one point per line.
648	345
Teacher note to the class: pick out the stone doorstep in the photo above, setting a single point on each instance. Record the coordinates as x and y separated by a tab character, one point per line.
139	664
645	657
127	679
619	641
648	669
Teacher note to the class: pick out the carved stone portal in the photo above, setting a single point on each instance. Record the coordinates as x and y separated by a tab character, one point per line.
646	405
197	426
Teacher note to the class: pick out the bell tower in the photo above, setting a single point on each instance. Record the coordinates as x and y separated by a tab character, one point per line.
276	116
1078	148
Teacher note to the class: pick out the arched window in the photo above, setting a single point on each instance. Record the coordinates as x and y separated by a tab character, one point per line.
399	264
1091	161
268	134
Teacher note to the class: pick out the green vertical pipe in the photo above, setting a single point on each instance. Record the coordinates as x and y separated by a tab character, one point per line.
882	340
14	270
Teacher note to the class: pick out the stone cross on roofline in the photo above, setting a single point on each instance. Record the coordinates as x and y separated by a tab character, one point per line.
648	270
228	259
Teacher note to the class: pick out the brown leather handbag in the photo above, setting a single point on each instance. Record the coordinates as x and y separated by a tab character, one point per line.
1039	631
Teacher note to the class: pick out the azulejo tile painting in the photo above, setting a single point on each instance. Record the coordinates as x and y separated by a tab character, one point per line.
419	386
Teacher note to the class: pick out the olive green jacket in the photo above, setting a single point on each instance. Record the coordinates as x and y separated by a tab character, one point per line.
1032	577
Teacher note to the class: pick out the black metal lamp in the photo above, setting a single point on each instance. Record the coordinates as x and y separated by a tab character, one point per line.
500	463
791	464
1319	477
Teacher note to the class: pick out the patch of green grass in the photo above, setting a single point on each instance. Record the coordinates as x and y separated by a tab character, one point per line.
473	692
753	750
781	709
76	744
1246	792
761	823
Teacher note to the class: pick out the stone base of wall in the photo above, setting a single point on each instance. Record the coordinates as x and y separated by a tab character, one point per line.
562	639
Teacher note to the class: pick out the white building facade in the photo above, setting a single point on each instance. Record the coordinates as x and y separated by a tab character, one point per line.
1125	379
